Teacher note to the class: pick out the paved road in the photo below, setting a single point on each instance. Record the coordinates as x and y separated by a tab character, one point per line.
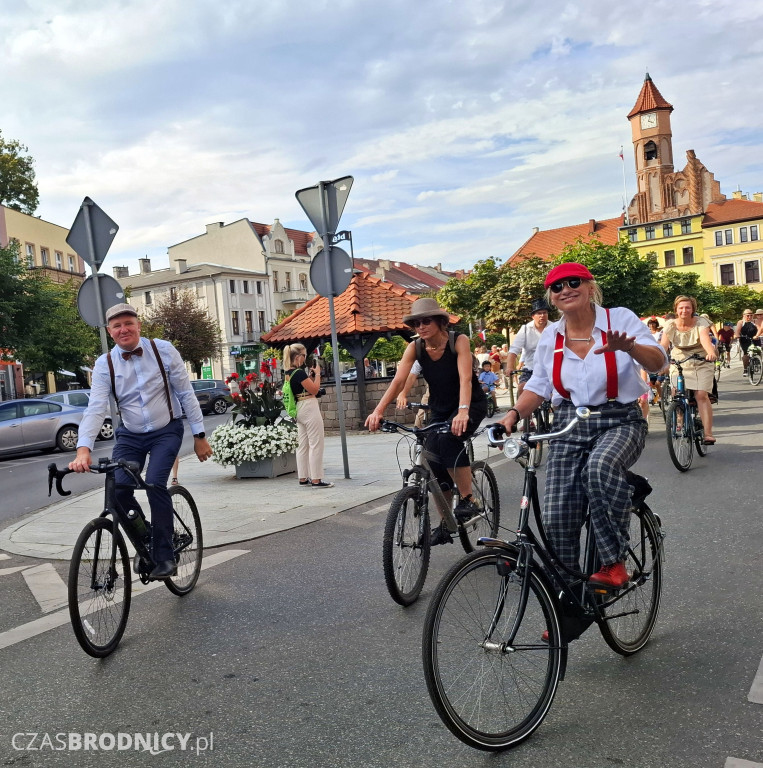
291	653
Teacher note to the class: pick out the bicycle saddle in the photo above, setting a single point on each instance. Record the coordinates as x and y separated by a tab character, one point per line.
641	487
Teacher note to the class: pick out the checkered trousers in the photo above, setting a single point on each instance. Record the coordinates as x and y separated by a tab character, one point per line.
587	468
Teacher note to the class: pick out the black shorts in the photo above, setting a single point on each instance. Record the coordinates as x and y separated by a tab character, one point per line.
746	341
449	449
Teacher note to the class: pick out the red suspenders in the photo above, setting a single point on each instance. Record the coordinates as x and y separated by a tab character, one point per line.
609	362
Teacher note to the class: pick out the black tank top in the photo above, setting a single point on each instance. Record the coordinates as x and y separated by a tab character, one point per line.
445	384
748	330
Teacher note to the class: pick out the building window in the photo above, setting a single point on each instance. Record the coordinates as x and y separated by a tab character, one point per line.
71	263
245	286
633	235
30	254
248	321
259	287
302	281
688	255
234	322
754	232
667	230
742	235
232	286
650	150
287	277
727	274
148	298
719	238
59	260
729	235
275	282
173	293
278	244
685	226
261	319
649	232
752	271
670	258
45	257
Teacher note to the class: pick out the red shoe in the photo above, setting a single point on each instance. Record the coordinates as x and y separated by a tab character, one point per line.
544	636
610	576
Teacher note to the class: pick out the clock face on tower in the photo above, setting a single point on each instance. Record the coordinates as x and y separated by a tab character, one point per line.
649	120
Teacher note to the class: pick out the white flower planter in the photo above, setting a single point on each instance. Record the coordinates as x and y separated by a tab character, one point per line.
284	464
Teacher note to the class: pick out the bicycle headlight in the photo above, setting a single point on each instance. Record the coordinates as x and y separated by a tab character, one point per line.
513	449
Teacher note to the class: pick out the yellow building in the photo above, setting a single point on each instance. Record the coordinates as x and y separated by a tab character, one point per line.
42	244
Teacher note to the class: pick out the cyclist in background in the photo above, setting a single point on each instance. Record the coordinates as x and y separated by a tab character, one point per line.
725	337
746	331
526	341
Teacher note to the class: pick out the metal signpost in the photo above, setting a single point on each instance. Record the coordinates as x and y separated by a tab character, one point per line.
324	205
91	236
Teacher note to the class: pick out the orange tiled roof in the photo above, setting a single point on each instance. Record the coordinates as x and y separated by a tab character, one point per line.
649	99
729	211
405	276
548	243
369	305
301	239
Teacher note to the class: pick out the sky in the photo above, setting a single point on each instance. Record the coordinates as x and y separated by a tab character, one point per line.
463	124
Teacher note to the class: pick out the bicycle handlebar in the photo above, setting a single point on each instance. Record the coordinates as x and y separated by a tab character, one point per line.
394	426
686	359
103	465
417	406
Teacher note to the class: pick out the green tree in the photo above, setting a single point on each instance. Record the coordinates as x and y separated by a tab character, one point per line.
389	350
18	188
16	319
508	303
464	297
181	320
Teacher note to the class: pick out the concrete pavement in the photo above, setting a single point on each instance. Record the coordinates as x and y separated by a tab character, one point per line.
234	510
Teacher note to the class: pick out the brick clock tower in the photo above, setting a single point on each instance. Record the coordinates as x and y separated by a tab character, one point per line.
664	193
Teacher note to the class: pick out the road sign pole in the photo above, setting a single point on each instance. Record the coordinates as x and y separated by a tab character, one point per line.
332	317
94	264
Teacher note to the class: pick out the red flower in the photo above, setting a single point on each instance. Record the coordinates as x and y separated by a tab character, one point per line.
250	376
234	375
273	363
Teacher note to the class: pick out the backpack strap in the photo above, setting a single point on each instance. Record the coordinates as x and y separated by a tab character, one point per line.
164	378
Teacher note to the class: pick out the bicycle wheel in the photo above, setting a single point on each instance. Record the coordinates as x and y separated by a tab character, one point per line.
488	695
755	370
99	594
490	407
680	445
665	398
405	547
717	370
187	541
629	618
485	495
699	432
538	424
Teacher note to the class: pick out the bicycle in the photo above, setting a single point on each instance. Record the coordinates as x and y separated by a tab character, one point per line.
755	366
683	424
100	580
490	674
406	544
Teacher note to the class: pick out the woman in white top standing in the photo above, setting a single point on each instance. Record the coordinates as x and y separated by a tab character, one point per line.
587	358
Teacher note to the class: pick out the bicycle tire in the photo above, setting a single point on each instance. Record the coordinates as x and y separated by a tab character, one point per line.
680	444
188	554
539	420
490	698
486	497
665	399
490	407
629	620
699	432
405	547
99	598
755	370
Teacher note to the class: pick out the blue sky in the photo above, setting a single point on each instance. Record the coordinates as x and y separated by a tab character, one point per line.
464	125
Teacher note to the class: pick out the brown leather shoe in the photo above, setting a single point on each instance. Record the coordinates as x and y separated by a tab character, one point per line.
612	576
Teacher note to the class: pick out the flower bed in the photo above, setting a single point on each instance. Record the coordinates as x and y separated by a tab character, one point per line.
237	443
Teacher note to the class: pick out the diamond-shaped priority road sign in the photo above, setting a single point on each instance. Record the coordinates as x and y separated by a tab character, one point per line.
335	194
92	246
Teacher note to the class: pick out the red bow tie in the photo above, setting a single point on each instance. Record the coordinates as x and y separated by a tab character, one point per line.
137	351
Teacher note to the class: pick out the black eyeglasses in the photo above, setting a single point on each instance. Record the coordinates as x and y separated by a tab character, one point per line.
421	321
572	282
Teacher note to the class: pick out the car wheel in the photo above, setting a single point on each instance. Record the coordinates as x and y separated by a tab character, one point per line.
220	406
107	431
66	439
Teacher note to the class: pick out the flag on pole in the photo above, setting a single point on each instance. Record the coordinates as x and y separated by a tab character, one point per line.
621	154
482	335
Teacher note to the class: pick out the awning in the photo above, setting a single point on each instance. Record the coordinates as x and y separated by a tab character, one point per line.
68	373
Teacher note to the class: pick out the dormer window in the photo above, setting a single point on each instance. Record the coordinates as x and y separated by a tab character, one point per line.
650	151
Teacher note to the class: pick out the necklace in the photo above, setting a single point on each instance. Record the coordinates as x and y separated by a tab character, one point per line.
588	340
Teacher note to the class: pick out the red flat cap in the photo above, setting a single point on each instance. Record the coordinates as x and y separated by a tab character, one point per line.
568	269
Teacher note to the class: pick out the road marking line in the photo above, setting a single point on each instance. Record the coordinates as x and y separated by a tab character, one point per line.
47	587
736	762
9	571
3	556
756	691
52	620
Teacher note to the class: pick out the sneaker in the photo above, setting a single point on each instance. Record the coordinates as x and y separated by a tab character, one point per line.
440	535
321	484
306	481
465	510
612	576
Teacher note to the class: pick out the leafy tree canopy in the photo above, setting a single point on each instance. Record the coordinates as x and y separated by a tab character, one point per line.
18	188
187	325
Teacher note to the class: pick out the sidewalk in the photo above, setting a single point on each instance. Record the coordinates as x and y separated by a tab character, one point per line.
234	510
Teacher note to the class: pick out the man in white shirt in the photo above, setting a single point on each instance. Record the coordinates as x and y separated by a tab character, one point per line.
149	393
526	342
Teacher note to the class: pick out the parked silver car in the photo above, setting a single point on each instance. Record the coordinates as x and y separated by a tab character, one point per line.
35	424
79	398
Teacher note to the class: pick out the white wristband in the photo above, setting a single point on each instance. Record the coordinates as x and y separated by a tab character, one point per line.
463	406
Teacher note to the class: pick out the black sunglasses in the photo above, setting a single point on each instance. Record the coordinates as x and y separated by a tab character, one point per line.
572	282
421	321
